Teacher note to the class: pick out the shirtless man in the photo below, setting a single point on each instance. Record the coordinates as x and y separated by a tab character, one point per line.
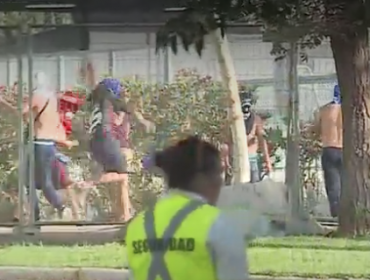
328	125
59	175
44	105
256	139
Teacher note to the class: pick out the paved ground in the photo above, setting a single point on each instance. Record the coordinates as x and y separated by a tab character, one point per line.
64	235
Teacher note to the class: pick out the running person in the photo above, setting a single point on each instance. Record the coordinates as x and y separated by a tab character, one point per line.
44	105
105	145
50	167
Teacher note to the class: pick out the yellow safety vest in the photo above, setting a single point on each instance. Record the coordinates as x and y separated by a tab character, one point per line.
169	241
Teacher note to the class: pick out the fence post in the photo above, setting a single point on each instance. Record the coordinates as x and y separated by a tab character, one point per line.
111	63
293	178
20	136
61	81
167	66
8	73
30	148
149	57
280	83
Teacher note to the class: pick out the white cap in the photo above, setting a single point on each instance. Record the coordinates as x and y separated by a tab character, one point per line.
40	79
41	84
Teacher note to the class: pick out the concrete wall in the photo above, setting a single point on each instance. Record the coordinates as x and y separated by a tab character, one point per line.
129	54
134	54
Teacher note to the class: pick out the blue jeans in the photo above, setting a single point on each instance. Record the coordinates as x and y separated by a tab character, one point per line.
254	168
45	157
332	165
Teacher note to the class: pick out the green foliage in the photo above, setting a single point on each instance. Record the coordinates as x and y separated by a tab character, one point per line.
307	21
191	104
310	151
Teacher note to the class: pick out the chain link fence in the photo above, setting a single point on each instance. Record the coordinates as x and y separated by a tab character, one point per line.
162	84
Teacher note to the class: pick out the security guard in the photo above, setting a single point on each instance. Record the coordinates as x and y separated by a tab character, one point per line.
184	236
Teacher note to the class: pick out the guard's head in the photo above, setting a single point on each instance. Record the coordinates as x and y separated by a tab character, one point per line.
192	165
336	95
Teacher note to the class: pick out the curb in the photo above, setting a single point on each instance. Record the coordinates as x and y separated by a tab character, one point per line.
28	273
37	273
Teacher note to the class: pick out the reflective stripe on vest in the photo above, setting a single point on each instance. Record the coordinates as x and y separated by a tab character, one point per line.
158	266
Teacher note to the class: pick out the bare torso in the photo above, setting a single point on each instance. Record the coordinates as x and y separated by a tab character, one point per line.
330	117
252	137
48	124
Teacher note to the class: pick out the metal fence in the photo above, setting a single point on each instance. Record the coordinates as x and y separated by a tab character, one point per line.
137	61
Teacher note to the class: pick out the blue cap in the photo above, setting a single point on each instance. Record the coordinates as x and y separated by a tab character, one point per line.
113	85
336	96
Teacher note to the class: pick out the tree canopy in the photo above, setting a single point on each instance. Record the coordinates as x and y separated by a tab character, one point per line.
307	21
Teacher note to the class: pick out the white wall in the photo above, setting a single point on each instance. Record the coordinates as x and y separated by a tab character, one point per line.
134	54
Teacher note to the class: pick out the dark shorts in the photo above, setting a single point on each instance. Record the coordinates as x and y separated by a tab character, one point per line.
106	150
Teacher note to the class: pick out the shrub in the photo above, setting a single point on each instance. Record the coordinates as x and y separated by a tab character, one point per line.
190	104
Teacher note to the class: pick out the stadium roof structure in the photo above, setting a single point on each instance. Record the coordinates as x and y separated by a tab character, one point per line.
87	5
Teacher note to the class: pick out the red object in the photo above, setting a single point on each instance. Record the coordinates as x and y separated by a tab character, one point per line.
70	102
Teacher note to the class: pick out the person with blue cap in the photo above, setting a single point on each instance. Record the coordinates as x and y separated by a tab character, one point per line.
108	103
328	125
336	96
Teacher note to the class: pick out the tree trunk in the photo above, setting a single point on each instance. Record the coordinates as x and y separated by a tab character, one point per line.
351	55
292	170
241	170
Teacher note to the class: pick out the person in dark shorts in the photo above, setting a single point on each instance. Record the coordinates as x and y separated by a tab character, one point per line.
105	145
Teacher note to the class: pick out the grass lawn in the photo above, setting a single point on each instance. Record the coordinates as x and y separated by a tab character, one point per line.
293	256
